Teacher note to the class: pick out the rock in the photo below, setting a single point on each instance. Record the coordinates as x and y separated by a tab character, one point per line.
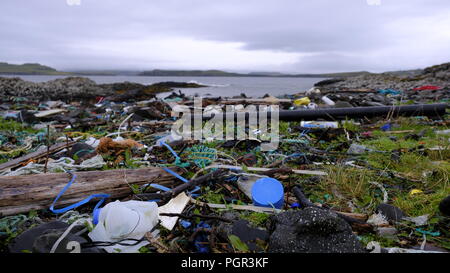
312	230
148	113
44	243
25	241
41	239
438	75
248	235
27	117
327	82
444	206
391	213
80	150
71	88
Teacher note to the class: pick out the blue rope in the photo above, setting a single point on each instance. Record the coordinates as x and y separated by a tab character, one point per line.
177	158
80	203
170	149
181	178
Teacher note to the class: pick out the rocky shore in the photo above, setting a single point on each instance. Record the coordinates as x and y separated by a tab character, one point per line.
81	88
432	85
358	184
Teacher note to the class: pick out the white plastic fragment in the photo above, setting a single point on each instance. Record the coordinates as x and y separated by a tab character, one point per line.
419	220
60	165
377	220
328	101
176	205
125	220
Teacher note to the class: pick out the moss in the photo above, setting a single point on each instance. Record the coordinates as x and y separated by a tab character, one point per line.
13	126
256	218
213	196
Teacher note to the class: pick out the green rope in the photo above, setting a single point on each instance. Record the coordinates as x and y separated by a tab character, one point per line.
201	155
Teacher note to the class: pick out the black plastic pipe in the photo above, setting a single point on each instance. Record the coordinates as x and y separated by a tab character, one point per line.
430	110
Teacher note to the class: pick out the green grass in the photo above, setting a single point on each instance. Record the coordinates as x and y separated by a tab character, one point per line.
256	218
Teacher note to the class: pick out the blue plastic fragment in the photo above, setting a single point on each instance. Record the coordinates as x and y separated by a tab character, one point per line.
389	92
201	240
386	127
185	224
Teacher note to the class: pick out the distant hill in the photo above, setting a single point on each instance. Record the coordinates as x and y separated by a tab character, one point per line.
219	73
105	72
29	69
190	73
38	69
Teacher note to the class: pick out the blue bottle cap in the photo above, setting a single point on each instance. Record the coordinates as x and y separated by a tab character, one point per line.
268	192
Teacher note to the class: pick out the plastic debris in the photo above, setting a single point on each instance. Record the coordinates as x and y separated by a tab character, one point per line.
358	149
122	221
415	191
386	127
222	195
176	205
427	87
389	92
328	101
268	192
302	101
419	220
319	124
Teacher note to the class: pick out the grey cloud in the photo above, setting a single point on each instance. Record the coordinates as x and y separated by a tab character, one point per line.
330	35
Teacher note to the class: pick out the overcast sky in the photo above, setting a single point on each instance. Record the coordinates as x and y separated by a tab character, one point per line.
235	35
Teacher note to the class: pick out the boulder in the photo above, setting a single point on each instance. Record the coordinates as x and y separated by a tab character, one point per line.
444	206
391	213
312	230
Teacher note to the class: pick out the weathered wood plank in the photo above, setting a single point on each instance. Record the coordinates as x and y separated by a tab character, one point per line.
20	193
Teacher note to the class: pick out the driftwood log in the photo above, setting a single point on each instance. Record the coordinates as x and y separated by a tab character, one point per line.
20	194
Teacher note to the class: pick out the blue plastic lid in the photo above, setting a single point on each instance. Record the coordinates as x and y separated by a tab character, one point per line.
268	192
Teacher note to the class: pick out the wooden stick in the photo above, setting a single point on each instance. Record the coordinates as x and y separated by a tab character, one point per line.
48	148
185	216
267	169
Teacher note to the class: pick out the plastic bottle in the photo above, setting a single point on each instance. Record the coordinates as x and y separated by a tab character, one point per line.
328	101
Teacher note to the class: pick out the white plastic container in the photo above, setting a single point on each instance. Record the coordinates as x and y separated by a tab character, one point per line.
327	100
